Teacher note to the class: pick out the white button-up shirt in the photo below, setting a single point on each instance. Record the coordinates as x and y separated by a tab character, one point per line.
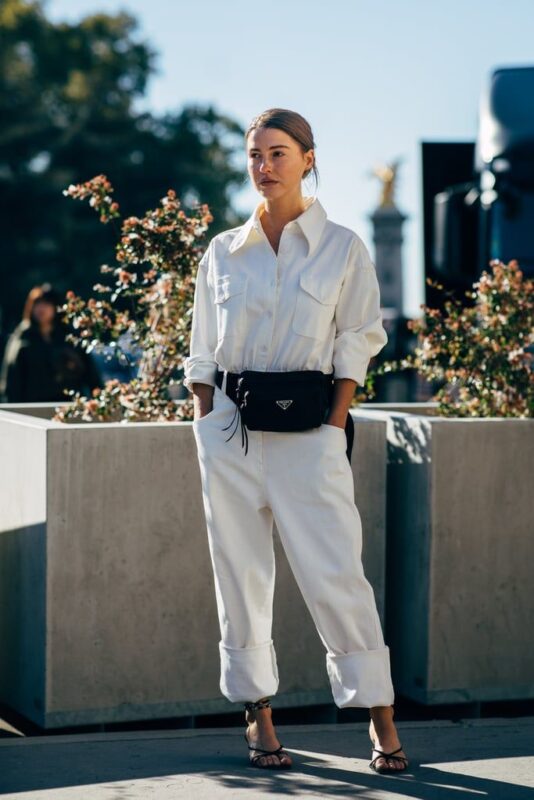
313	305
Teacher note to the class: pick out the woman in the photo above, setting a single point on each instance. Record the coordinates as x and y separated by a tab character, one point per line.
39	363
287	291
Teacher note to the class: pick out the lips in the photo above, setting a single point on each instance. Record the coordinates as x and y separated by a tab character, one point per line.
262	183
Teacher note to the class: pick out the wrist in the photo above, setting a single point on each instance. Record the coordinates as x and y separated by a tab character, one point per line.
202	405
335	418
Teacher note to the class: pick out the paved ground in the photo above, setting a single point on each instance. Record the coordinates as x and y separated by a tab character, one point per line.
477	759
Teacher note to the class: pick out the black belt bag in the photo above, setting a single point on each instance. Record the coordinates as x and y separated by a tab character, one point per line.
279	401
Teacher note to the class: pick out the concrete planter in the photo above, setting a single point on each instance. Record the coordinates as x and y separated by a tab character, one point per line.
107	607
460	605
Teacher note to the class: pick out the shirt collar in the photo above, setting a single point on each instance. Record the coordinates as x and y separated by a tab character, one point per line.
311	222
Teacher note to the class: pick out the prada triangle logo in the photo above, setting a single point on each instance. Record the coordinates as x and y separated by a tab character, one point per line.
284	403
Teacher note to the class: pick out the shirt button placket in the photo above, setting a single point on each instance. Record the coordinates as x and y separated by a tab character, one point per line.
273	295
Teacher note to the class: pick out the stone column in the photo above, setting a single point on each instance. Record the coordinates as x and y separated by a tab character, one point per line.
387	237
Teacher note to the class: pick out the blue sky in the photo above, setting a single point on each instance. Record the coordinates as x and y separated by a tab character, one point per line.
373	77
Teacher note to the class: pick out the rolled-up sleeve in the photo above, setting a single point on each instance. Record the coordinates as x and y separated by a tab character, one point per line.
200	366
360	334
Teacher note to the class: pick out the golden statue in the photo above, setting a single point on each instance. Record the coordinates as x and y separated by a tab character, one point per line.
387	174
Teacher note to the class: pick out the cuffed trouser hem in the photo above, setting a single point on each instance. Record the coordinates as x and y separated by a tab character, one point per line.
248	673
361	679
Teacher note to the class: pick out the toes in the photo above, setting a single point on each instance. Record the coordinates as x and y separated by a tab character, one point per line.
274	760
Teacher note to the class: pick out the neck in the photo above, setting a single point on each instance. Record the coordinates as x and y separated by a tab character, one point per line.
276	213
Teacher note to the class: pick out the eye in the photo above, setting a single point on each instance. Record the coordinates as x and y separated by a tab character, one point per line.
275	152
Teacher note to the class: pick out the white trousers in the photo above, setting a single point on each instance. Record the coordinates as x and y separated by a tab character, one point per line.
303	481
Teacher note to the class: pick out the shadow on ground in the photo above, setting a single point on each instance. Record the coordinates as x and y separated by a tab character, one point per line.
483	758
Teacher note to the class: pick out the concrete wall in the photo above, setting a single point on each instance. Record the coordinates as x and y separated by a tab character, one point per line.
460	605
107	610
23	567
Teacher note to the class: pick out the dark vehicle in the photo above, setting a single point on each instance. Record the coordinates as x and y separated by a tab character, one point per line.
479	196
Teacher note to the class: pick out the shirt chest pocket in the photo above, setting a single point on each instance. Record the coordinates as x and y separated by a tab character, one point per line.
230	296
315	306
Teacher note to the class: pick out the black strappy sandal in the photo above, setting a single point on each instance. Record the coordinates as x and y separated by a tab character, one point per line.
254	760
388	770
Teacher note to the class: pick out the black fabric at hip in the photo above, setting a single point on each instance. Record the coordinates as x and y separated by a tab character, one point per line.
231	386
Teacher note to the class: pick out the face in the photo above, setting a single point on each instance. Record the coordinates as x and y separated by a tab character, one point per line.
275	162
43	312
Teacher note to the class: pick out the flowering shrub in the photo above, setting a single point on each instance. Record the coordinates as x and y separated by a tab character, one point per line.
480	351
150	303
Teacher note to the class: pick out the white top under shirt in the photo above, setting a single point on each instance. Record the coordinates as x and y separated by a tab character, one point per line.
313	305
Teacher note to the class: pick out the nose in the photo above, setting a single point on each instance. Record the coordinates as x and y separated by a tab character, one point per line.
264	165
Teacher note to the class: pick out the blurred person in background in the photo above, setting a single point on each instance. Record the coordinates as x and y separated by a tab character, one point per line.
39	363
